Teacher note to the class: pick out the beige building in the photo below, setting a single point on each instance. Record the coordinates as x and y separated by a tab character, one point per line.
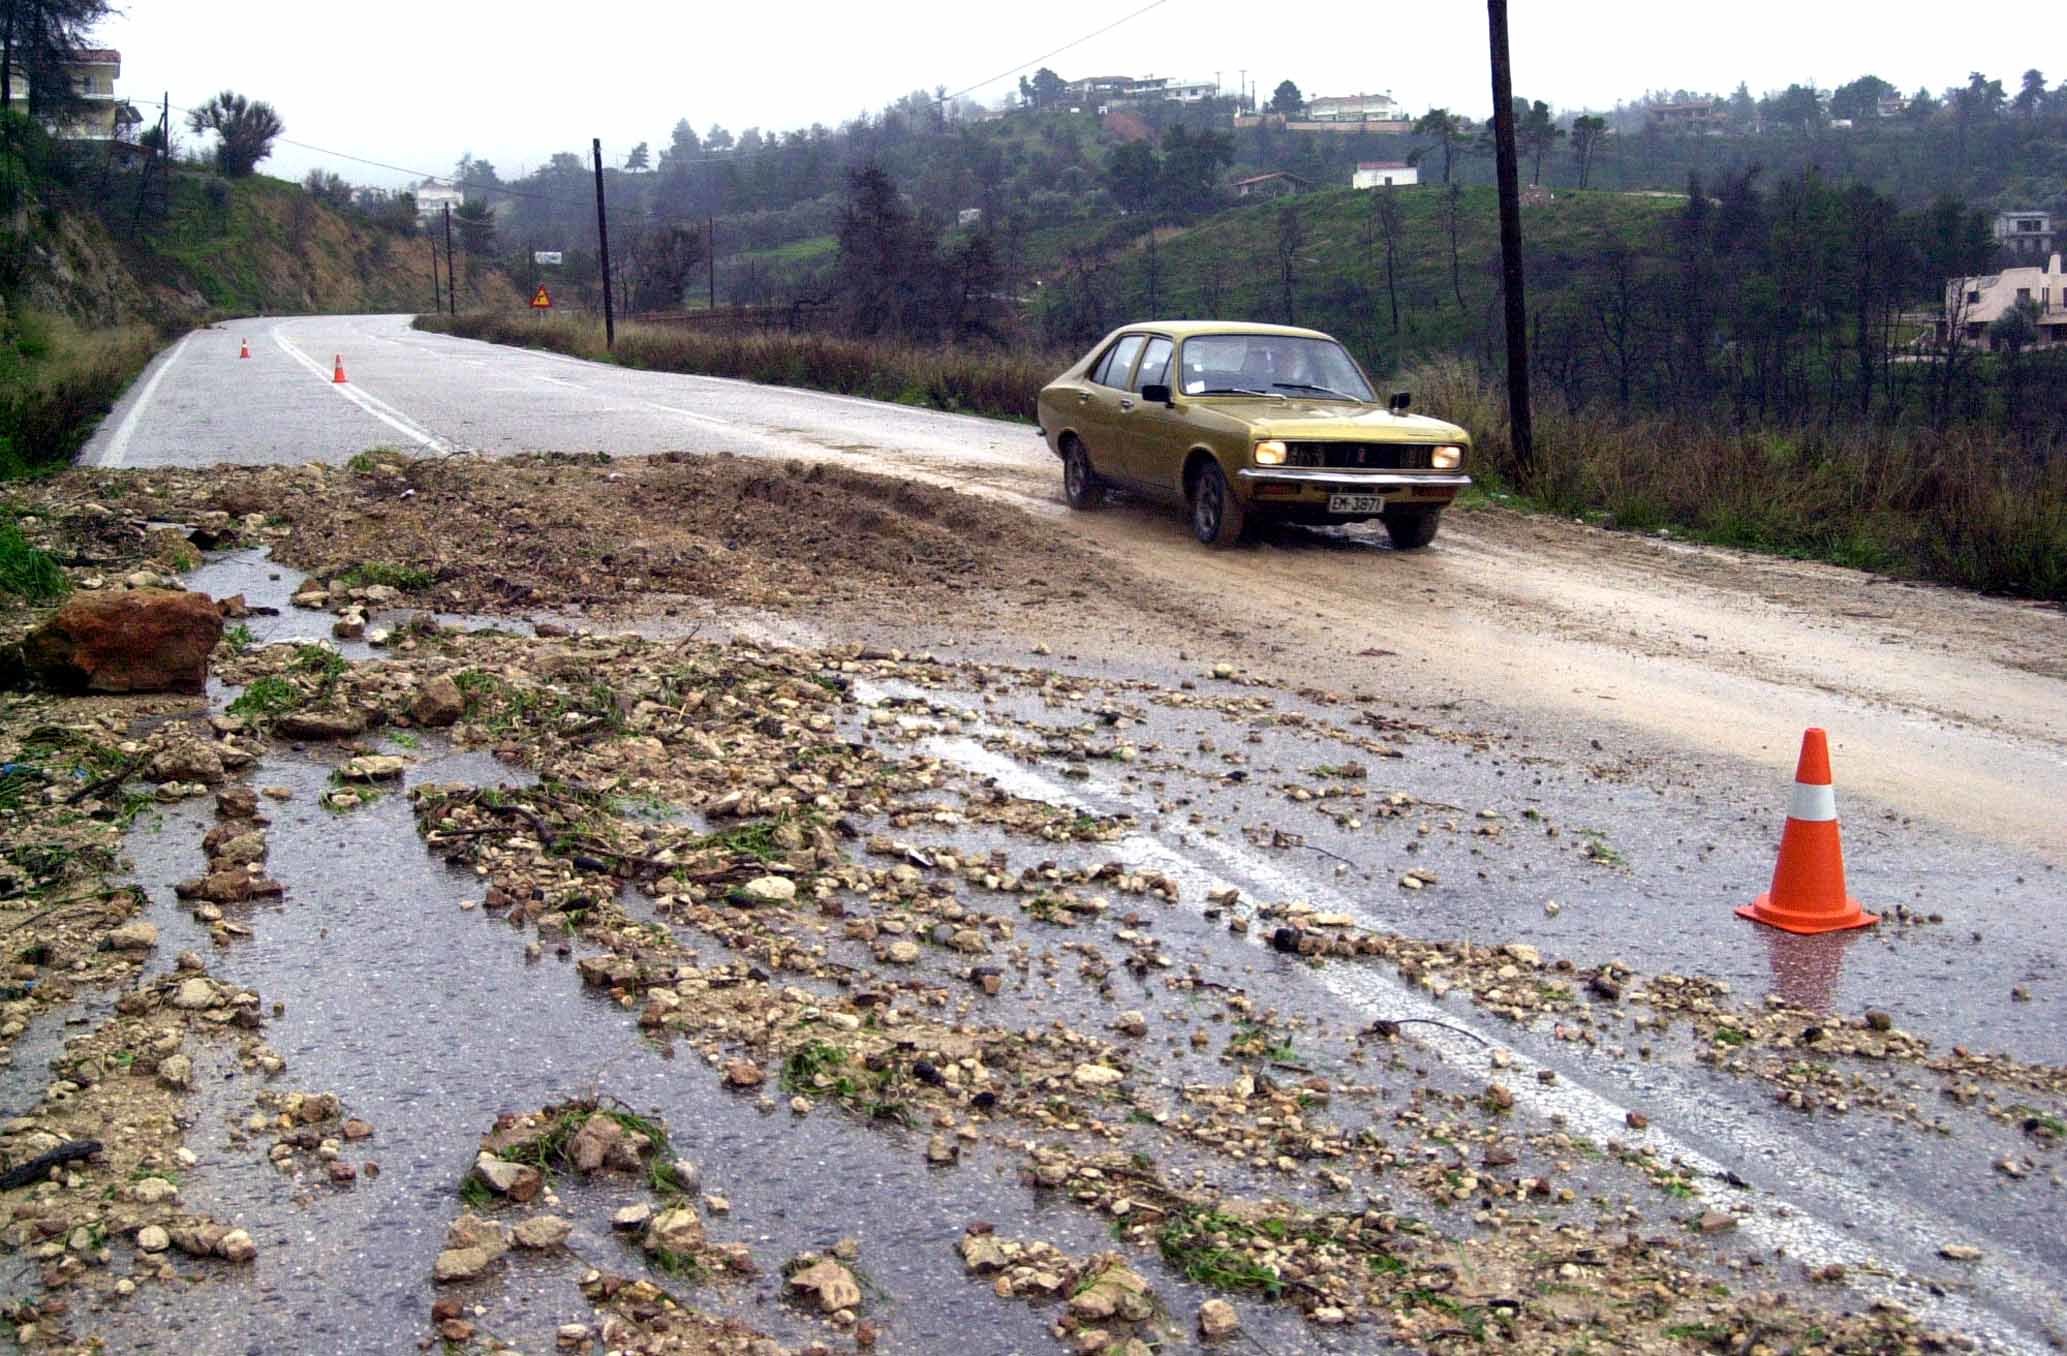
93	72
1975	304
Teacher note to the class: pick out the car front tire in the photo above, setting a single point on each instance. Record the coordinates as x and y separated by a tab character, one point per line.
1411	528
1217	517
1081	487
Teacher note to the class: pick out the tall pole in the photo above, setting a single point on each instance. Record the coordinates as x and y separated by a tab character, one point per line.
603	248
710	255
1523	433
451	287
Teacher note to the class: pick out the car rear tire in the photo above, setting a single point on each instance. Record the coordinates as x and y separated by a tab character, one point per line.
1217	517
1081	487
1411	528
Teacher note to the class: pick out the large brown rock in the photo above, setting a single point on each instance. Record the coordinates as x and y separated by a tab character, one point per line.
138	640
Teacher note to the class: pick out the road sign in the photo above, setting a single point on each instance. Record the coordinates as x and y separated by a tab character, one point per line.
541	301
545	256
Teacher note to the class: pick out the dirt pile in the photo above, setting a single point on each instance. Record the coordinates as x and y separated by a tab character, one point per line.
561	534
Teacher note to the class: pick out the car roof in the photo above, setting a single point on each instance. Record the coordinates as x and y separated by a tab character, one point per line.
1185	329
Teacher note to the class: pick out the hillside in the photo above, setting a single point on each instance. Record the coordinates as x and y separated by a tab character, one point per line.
1229	265
230	247
84	304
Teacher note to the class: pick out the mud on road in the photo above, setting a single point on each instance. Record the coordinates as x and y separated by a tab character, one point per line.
599	974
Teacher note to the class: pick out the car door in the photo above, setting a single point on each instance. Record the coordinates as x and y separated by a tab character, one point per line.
1154	433
1098	416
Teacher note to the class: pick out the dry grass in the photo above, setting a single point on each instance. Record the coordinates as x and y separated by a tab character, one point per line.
965	381
1961	507
56	381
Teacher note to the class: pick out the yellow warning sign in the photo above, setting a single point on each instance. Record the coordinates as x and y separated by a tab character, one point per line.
541	301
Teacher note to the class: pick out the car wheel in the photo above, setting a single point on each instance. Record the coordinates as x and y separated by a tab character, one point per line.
1081	486
1411	528
1217	517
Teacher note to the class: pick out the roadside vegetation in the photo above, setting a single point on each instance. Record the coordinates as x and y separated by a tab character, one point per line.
1000	383
1962	505
56	382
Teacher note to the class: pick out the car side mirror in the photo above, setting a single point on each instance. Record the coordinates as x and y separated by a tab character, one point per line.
1155	393
1399	402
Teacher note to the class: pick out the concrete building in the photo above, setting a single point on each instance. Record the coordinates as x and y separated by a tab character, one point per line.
1354	108
2025	235
1975	304
103	114
433	197
1380	173
1694	115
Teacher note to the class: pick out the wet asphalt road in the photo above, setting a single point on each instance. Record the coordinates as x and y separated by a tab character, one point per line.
200	404
1844	1186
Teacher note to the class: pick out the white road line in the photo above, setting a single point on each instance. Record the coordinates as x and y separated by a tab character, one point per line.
372	404
1594	1112
710	419
118	446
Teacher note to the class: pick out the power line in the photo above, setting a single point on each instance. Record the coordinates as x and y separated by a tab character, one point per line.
1078	42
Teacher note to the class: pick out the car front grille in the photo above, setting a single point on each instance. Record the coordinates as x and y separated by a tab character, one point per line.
1359	456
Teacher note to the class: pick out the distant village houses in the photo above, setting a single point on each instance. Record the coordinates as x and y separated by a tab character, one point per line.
1385	174
2026	235
1106	92
1976	304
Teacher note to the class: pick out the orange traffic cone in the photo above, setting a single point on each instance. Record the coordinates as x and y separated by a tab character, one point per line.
338	377
243	348
1808	893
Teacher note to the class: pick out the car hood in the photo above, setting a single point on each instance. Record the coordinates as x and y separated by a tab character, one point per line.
1327	420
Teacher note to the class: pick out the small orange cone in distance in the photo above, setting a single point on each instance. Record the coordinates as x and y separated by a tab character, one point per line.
338	377
1808	894
243	348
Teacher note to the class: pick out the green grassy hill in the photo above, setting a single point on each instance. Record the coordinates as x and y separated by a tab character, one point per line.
1228	266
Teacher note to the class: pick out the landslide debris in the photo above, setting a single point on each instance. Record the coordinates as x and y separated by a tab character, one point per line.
538	533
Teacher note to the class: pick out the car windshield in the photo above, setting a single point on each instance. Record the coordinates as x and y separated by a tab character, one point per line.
1271	364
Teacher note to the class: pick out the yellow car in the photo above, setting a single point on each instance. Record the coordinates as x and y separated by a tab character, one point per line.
1248	422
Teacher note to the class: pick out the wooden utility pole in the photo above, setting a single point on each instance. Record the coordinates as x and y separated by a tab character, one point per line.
603	248
451	287
1522	431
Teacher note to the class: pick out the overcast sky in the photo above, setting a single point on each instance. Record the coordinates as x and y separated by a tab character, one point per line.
417	84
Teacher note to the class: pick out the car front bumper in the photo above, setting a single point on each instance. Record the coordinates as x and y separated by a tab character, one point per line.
1352	482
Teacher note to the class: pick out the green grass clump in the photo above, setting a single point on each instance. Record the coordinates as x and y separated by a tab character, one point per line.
265	698
407	578
808	1063
26	572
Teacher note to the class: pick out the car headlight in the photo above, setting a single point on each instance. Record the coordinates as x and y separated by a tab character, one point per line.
1446	458
1271	453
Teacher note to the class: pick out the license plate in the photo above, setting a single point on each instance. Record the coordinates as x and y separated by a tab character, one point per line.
1356	503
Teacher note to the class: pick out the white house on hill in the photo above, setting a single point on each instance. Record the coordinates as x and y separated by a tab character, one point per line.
1974	304
1380	173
